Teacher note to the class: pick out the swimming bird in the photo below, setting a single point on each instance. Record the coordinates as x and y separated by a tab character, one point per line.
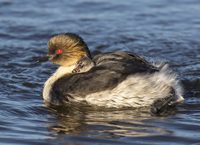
113	80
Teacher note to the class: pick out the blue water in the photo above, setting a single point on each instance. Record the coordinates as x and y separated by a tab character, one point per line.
161	30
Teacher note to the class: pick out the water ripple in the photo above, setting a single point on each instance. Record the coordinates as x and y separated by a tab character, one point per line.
157	30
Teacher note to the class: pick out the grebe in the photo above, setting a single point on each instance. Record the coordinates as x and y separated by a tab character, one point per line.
111	79
83	65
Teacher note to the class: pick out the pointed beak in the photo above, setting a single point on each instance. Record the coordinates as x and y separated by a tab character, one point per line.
45	58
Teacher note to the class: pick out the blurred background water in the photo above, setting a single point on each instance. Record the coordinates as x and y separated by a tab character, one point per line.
161	30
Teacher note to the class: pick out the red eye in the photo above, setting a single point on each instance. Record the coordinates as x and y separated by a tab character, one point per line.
59	51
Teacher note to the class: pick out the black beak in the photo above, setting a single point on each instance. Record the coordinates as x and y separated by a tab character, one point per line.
46	58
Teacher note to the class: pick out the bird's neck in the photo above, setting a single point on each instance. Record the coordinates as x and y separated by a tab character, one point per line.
61	71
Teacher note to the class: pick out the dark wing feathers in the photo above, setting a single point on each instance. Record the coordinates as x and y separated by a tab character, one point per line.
121	56
110	70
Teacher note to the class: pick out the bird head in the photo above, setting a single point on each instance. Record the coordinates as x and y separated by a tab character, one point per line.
66	49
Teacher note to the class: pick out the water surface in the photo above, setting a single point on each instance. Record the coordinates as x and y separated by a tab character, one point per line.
165	30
